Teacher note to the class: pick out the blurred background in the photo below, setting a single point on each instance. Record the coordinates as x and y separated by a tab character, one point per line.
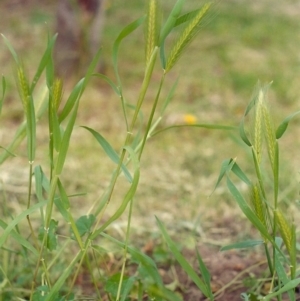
240	43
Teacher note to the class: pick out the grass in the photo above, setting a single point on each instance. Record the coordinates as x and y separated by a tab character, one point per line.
218	73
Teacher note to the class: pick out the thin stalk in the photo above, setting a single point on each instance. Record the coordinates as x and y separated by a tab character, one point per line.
144	88
125	251
151	116
28	206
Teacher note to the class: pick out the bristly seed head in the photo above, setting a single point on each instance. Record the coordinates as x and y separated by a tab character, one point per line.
188	34
152	28
285	230
23	89
57	93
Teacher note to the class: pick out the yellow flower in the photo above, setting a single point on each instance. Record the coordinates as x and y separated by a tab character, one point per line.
189	118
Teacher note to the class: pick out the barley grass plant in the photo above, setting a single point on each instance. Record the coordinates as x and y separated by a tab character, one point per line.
54	257
263	209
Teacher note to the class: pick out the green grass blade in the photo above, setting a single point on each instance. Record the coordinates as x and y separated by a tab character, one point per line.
20	134
11	49
109	151
243	133
66	141
187	17
62	203
161	293
284	124
128	288
240	174
70	103
205	274
31	130
247	210
18	219
123	34
139	257
224	167
128	197
203	125
280	270
63	277
91	69
3	93
169	24
169	97
43	63
182	261
22	241
57	131
287	287
242	245
79	88
110	82
38	175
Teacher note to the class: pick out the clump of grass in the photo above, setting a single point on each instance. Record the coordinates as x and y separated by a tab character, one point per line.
83	235
263	210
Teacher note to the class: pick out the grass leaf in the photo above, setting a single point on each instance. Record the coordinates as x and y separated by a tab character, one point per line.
17	220
11	49
43	63
110	82
247	210
3	93
203	125
242	245
224	167
109	151
182	261
205	274
287	287
283	126
128	197
22	241
123	34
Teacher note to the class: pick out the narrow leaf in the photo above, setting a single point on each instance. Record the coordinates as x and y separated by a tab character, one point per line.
287	287
18	219
71	100
169	97
240	174
22	241
247	210
109	151
110	82
205	274
43	63
182	261
283	126
203	125
3	93
66	141
169	25
224	167
11	49
128	197
123	34
243	245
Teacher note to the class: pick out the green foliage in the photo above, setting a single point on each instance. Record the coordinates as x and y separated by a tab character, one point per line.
51	258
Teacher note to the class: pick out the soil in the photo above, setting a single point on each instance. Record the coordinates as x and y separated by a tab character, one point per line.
232	272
